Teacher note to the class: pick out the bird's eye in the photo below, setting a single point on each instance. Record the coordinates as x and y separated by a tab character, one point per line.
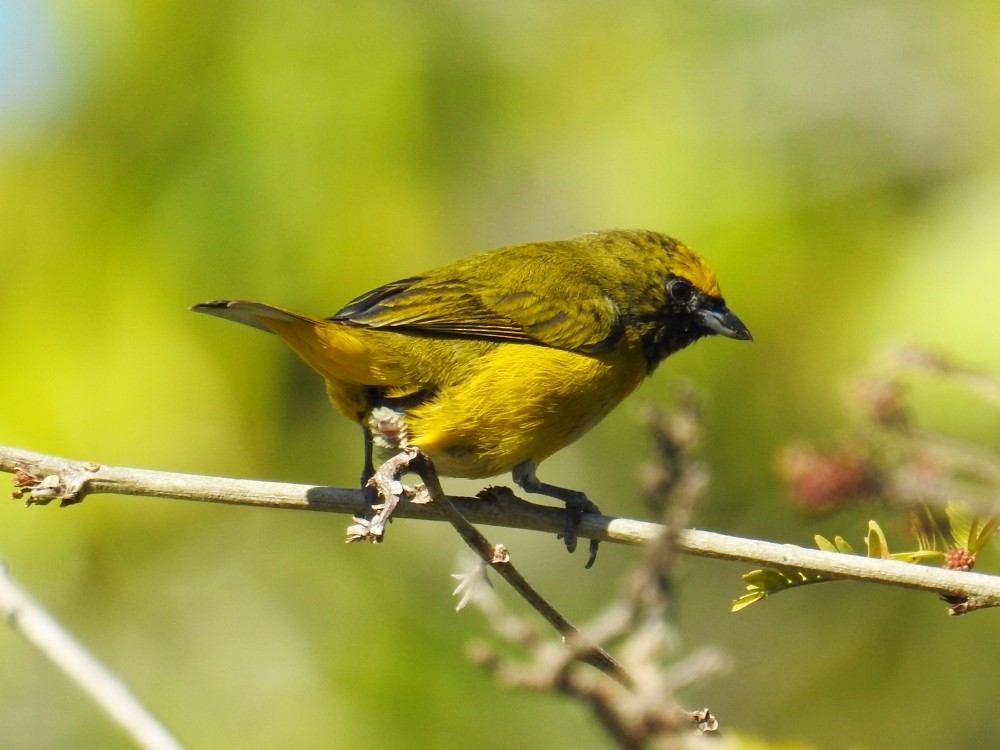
680	291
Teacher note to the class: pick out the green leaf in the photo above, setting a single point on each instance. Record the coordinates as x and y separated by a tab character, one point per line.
918	556
839	544
927	531
960	522
877	546
825	544
770	579
967	530
766	581
746	600
979	537
842	545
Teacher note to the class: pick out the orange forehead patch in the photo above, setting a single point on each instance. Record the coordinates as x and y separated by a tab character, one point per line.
689	265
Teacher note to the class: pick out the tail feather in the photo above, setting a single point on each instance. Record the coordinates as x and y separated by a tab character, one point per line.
252	314
336	351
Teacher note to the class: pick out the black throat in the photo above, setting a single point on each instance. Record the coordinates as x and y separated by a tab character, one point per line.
664	334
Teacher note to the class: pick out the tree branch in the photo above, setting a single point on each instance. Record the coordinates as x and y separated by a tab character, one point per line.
29	619
498	558
48	478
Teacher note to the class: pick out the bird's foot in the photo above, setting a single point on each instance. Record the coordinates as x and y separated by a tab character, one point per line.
576	505
384	482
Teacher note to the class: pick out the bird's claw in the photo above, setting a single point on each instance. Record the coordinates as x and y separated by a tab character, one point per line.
574	514
577	504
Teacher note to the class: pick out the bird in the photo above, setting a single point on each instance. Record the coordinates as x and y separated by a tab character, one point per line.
492	363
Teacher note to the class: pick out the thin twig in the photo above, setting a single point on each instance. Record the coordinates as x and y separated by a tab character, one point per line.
920	360
498	558
48	478
32	622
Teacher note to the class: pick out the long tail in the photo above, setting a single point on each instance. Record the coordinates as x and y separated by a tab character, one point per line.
249	313
335	351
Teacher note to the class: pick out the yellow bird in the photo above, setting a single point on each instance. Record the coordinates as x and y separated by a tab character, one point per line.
494	362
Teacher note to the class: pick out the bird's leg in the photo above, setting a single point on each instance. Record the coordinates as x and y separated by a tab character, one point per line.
367	472
367	525
577	504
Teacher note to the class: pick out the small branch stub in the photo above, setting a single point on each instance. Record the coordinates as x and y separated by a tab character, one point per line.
68	488
704	721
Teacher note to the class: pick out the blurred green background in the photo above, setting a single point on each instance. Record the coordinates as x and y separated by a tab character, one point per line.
838	163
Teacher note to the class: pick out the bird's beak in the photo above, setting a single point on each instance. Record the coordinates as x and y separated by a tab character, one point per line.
724	322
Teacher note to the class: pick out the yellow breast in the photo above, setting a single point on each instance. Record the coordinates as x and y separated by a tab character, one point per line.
521	402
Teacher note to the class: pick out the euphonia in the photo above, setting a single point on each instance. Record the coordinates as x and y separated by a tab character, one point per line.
494	362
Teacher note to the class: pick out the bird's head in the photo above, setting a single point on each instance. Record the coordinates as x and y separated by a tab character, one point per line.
679	300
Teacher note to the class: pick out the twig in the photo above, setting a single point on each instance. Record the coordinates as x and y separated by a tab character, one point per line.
48	478
985	383
498	558
32	622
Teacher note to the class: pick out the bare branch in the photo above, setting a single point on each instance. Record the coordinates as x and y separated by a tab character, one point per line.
33	623
47	478
498	558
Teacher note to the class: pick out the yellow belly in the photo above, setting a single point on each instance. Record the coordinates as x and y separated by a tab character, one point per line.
523	402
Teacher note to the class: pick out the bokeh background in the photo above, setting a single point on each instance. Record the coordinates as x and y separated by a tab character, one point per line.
837	162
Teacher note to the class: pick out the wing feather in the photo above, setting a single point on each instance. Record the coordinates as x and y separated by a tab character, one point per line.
452	306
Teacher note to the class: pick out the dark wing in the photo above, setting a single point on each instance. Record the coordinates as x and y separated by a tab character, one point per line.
587	321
